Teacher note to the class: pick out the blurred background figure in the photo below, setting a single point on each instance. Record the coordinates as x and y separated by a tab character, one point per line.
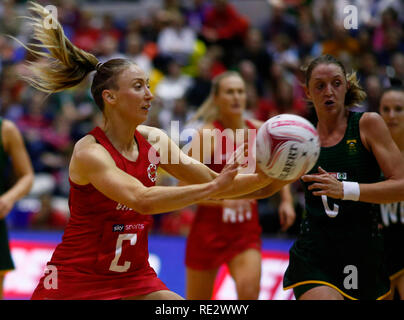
392	214
225	26
12	187
176	40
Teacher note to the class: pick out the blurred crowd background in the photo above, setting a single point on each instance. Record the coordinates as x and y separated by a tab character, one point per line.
182	45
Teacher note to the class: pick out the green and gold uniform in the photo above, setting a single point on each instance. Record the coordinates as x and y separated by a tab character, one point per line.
6	262
392	218
339	244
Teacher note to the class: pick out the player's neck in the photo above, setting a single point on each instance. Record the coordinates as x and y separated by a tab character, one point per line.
122	136
232	122
329	124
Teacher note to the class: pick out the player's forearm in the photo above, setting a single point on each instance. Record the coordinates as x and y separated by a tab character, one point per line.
160	199
285	194
382	192
21	188
265	192
245	184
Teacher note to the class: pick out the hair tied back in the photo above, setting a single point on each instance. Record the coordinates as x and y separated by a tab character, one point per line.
98	66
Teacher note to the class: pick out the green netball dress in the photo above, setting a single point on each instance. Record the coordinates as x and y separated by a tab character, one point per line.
6	263
392	218
339	244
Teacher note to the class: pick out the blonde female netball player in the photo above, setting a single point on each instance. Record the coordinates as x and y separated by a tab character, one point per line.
227	232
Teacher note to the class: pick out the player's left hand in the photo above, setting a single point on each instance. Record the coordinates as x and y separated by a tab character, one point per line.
324	184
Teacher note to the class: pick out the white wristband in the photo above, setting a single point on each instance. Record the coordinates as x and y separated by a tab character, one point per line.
351	190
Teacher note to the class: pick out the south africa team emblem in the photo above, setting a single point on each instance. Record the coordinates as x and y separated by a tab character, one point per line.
152	172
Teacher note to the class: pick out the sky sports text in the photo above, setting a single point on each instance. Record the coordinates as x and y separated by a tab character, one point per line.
191	141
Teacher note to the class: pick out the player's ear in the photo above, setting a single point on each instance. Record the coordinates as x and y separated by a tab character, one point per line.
306	91
109	96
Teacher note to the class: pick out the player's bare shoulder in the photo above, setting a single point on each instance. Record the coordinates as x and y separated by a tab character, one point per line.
256	123
372	129
10	134
152	135
87	154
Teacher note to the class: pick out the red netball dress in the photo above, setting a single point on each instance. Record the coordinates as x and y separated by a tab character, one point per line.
218	234
104	249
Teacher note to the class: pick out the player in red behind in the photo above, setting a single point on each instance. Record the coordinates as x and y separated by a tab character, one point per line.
228	231
112	173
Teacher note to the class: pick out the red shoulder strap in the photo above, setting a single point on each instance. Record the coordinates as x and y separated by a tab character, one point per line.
102	139
218	125
249	124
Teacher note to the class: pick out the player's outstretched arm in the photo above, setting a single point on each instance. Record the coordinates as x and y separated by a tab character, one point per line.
192	171
91	163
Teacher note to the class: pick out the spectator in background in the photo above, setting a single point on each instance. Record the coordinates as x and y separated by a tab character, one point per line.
216	54
9	22
284	52
255	102
86	35
35	121
134	50
367	66
200	85
11	89
323	15
364	38
279	22
108	28
397	63
340	42
374	89
309	46
392	42
389	21
195	15
181	115
249	73
283	101
108	48
255	51
176	40
69	16
47	216
173	86
59	146
225	26
173	6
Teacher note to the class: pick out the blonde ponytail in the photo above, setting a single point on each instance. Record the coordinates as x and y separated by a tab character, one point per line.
64	65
